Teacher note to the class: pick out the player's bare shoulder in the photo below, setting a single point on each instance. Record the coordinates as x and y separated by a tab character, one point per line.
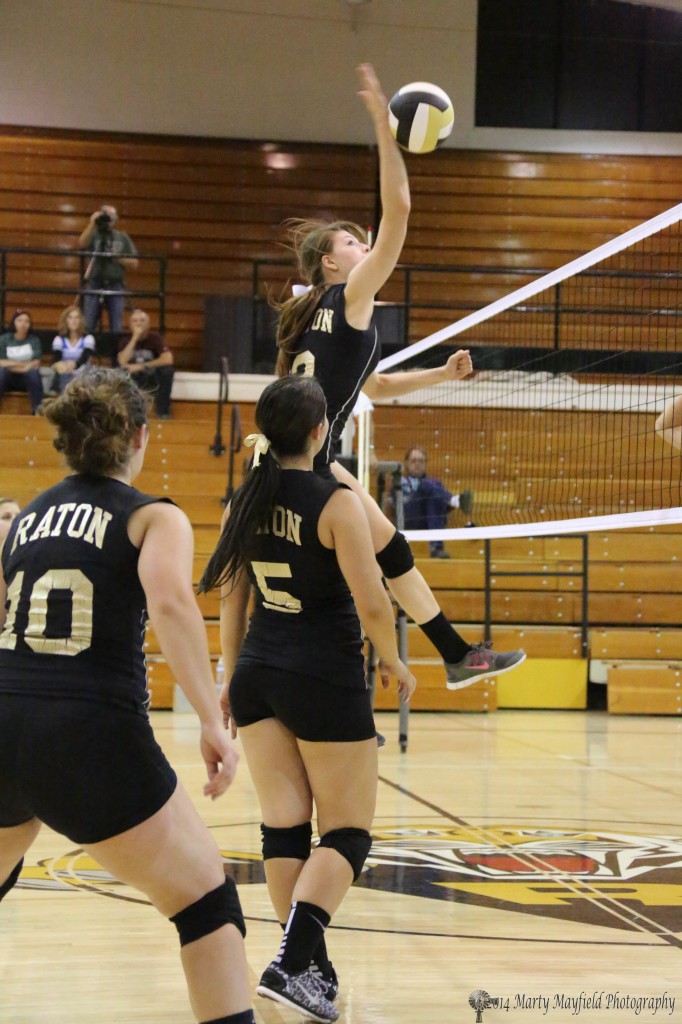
159	514
342	510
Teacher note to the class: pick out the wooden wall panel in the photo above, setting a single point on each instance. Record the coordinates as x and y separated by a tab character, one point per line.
209	207
212	206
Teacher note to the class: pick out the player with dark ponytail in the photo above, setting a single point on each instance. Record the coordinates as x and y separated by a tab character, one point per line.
286	412
297	689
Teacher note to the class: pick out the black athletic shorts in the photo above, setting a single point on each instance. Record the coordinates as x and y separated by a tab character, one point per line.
312	709
89	770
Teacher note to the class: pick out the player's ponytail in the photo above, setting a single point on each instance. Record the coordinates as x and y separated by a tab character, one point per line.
310	241
287	412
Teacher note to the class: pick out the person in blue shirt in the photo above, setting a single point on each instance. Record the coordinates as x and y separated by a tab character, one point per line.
72	348
427	502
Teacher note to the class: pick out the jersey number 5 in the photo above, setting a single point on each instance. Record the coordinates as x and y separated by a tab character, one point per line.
80	637
276	600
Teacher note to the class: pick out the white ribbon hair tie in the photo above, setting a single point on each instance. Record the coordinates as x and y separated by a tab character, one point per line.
260	444
301	289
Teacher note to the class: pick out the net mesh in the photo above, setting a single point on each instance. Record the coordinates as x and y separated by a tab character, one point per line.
558	424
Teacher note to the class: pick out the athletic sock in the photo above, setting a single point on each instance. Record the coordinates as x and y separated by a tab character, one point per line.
447	641
321	958
302	935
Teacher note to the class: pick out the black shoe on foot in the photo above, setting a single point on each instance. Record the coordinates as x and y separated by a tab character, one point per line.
302	992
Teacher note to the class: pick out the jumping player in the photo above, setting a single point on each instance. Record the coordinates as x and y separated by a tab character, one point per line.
329	332
298	692
81	565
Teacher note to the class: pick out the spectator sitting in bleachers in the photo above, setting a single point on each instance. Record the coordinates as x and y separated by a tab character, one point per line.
145	355
72	347
20	355
426	502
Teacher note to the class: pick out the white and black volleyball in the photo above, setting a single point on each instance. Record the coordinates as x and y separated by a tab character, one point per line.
420	116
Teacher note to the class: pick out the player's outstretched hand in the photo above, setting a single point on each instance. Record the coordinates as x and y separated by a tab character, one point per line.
459	365
406	681
220	758
371	93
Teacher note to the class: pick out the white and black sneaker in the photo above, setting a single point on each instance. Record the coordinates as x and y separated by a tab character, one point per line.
302	992
328	979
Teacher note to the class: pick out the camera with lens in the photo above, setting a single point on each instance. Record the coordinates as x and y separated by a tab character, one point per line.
103	221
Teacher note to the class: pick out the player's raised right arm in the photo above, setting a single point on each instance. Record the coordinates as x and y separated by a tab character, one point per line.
366	279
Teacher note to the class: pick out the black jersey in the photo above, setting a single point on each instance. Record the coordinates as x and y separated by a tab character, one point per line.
76	608
304	619
341	357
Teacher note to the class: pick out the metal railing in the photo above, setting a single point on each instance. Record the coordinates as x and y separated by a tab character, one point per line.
218	448
581	574
9	286
556	308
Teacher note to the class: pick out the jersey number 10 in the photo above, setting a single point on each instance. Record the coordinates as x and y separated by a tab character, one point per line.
80	637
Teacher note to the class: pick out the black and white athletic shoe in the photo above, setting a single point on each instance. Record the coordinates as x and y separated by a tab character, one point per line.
302	992
329	980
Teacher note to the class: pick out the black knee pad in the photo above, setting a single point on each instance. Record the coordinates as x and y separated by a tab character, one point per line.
287	842
352	843
396	558
12	880
209	913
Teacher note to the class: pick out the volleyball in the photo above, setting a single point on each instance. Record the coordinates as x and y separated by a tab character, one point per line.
420	116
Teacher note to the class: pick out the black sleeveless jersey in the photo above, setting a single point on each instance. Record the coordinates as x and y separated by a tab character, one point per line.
76	608
341	357
304	618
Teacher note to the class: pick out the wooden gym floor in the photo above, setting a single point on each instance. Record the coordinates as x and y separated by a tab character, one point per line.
532	854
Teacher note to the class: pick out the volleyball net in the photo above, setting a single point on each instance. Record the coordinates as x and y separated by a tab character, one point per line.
556	429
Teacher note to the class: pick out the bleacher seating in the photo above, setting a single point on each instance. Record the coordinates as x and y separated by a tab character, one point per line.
634	586
211	206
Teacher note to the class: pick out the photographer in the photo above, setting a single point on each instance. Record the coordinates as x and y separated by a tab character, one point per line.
113	254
